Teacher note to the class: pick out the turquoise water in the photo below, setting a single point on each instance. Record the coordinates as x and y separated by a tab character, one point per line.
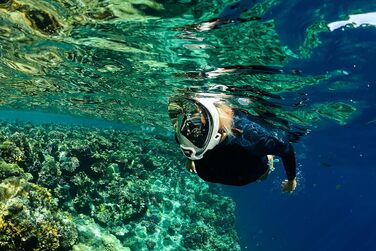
84	89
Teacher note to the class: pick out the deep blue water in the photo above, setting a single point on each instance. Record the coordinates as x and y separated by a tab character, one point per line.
334	205
333	209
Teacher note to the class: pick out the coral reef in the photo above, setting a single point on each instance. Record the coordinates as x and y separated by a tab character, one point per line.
128	190
29	217
95	238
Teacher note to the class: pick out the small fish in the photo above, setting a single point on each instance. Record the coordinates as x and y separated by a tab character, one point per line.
325	164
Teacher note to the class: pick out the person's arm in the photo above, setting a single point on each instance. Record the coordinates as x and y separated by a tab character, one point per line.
261	142
289	163
268	143
271	144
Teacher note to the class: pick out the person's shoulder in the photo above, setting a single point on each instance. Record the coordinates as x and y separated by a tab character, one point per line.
241	118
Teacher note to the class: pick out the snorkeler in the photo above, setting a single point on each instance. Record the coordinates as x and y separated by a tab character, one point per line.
227	145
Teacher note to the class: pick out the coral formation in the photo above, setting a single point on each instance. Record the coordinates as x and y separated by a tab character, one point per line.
128	190
95	238
29	217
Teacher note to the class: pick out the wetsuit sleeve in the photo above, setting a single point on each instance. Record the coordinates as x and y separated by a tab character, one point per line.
283	149
261	142
289	163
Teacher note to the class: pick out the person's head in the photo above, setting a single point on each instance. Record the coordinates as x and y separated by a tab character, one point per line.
198	123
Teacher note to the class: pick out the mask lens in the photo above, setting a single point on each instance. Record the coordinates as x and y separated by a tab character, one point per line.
195	129
190	120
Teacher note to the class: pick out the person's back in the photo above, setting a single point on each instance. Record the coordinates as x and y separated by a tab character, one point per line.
242	157
231	164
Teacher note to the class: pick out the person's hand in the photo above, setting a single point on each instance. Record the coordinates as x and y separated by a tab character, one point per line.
190	165
289	186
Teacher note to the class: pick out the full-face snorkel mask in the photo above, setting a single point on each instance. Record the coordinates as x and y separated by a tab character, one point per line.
196	125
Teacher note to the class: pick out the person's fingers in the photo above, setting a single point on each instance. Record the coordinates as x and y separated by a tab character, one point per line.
286	187
193	167
270	157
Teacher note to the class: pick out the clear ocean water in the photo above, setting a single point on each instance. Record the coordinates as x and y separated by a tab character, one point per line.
112	65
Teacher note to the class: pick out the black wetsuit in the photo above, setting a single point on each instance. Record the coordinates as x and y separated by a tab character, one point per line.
241	158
